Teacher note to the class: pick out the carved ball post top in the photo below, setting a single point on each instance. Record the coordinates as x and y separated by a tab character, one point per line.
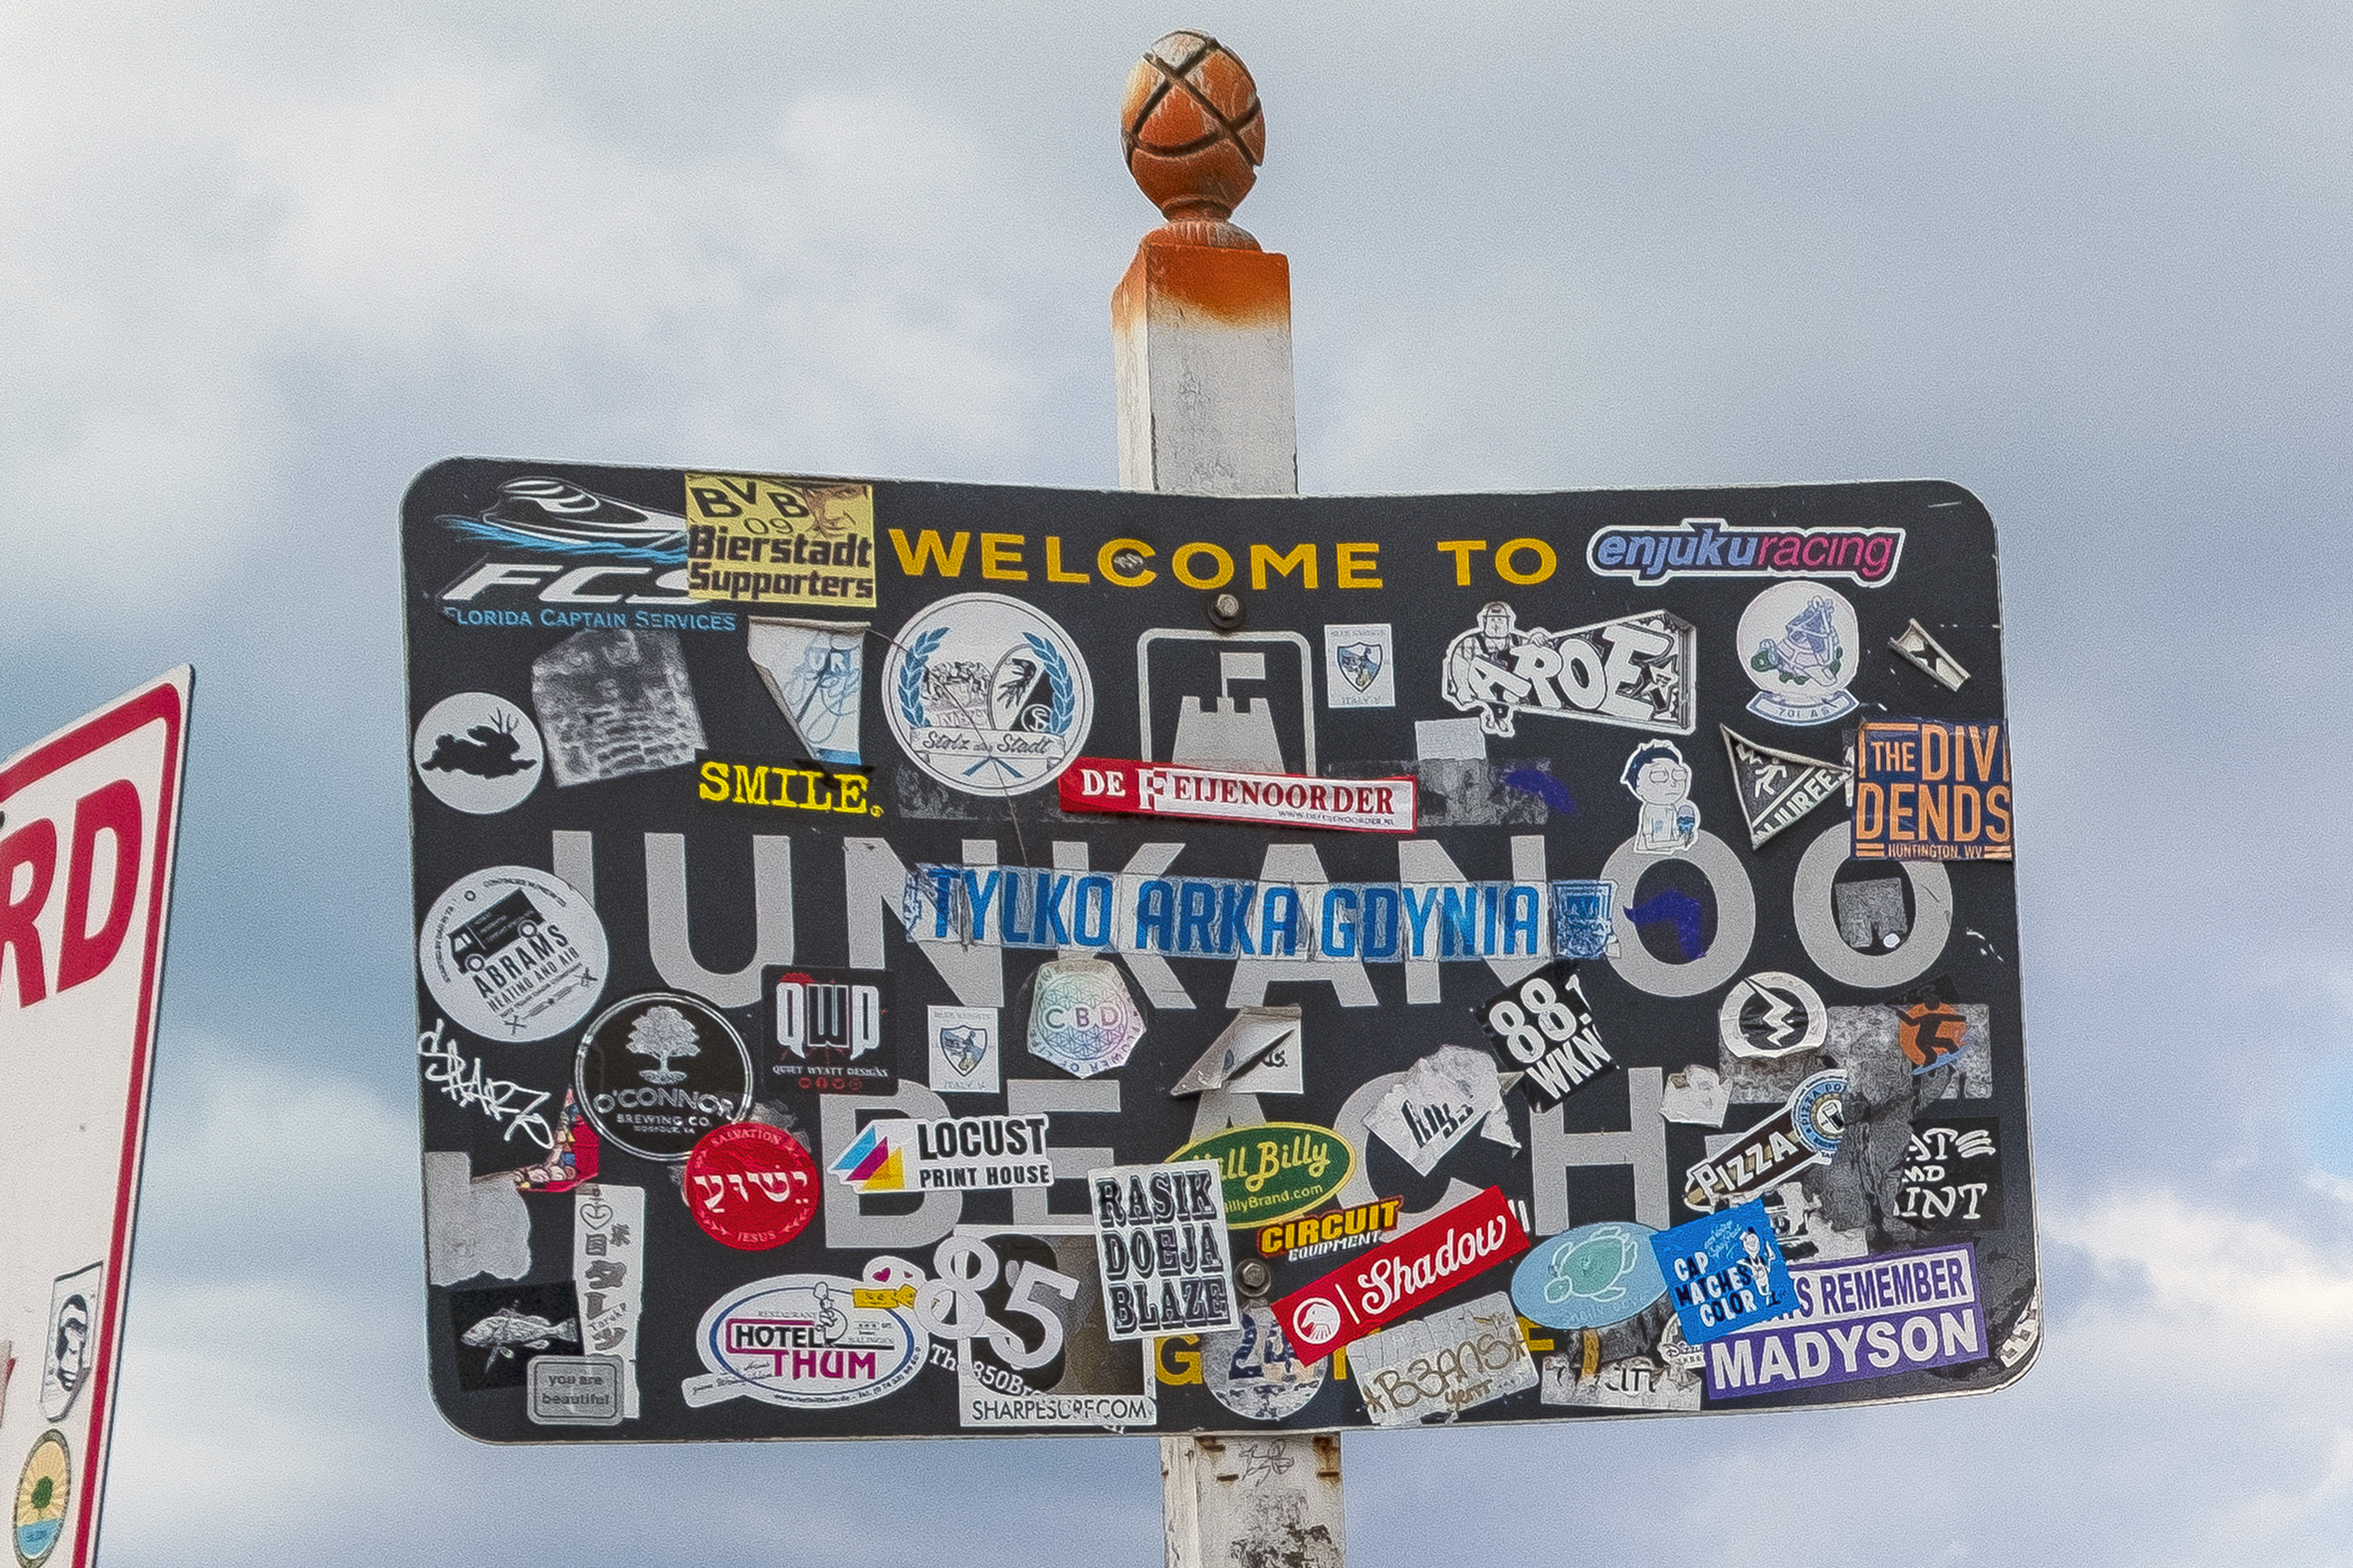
1195	135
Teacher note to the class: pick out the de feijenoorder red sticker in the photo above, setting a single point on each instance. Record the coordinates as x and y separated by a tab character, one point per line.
751	1186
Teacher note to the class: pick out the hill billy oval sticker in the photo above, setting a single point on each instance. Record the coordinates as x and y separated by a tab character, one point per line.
988	694
1274	1171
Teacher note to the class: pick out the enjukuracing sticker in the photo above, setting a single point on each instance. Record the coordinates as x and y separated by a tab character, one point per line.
988	694
512	953
657	1071
479	753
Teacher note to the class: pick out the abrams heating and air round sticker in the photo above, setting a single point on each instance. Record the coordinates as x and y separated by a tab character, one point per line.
512	953
657	1071
988	694
811	1341
479	753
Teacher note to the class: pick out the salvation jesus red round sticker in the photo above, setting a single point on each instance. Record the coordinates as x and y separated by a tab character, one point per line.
751	1185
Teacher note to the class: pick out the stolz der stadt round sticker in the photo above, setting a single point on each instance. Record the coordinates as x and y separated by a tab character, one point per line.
875	980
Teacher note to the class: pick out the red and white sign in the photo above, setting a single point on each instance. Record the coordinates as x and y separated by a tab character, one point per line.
89	824
1277	799
1398	1277
751	1186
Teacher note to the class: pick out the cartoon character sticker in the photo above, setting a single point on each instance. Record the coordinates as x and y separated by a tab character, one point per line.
1637	670
1657	775
1798	643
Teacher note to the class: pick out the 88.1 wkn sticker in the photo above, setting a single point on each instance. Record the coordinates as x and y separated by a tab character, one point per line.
1545	1026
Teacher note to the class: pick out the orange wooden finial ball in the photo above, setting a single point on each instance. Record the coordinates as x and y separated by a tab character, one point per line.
1191	127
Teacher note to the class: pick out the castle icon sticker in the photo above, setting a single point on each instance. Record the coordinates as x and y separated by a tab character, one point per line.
1798	642
988	694
479	753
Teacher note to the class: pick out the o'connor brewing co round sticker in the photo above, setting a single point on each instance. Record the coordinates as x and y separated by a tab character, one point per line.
988	694
658	1070
512	953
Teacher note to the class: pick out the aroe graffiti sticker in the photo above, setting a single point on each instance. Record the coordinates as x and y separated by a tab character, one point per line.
988	694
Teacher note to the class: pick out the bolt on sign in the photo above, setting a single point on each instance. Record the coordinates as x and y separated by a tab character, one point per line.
89	827
818	878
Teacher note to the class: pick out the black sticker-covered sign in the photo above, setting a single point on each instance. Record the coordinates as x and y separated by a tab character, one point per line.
797	860
1544	1027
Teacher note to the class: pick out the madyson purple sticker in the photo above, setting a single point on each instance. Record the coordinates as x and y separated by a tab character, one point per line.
1865	1318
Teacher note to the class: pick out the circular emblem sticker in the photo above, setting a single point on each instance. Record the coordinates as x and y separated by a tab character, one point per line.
658	1071
479	753
1590	1277
1818	1111
750	1184
41	1491
988	694
512	953
1253	1372
1770	1016
1319	1322
1800	642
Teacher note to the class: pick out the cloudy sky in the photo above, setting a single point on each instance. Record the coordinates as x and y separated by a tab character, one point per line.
261	261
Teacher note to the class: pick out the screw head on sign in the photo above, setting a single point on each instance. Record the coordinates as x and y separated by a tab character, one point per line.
1252	1278
1191	127
1225	612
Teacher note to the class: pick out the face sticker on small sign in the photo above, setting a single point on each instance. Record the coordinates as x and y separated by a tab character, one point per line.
1359	667
615	702
609	1273
1772	1016
816	671
1441	1098
657	1071
76	1304
1635	671
1161	1241
988	694
950	1154
512	953
1081	1018
965	1049
1589	1277
1253	1373
751	1186
1666	822
479	753
828	1030
1776	787
1443	1365
1929	790
1952	1174
759	541
1806	1131
1448	1249
1726	1272
1274	1170
500	1331
1544	1028
1865	1318
810	1341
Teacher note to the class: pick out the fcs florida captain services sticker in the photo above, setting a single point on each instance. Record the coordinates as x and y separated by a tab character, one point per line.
988	694
512	953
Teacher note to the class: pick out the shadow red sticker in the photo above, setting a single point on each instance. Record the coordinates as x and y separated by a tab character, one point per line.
751	1186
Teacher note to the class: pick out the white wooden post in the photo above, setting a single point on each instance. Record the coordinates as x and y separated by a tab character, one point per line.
1201	333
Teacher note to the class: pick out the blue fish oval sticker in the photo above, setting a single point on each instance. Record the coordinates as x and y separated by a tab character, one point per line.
1589	1277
